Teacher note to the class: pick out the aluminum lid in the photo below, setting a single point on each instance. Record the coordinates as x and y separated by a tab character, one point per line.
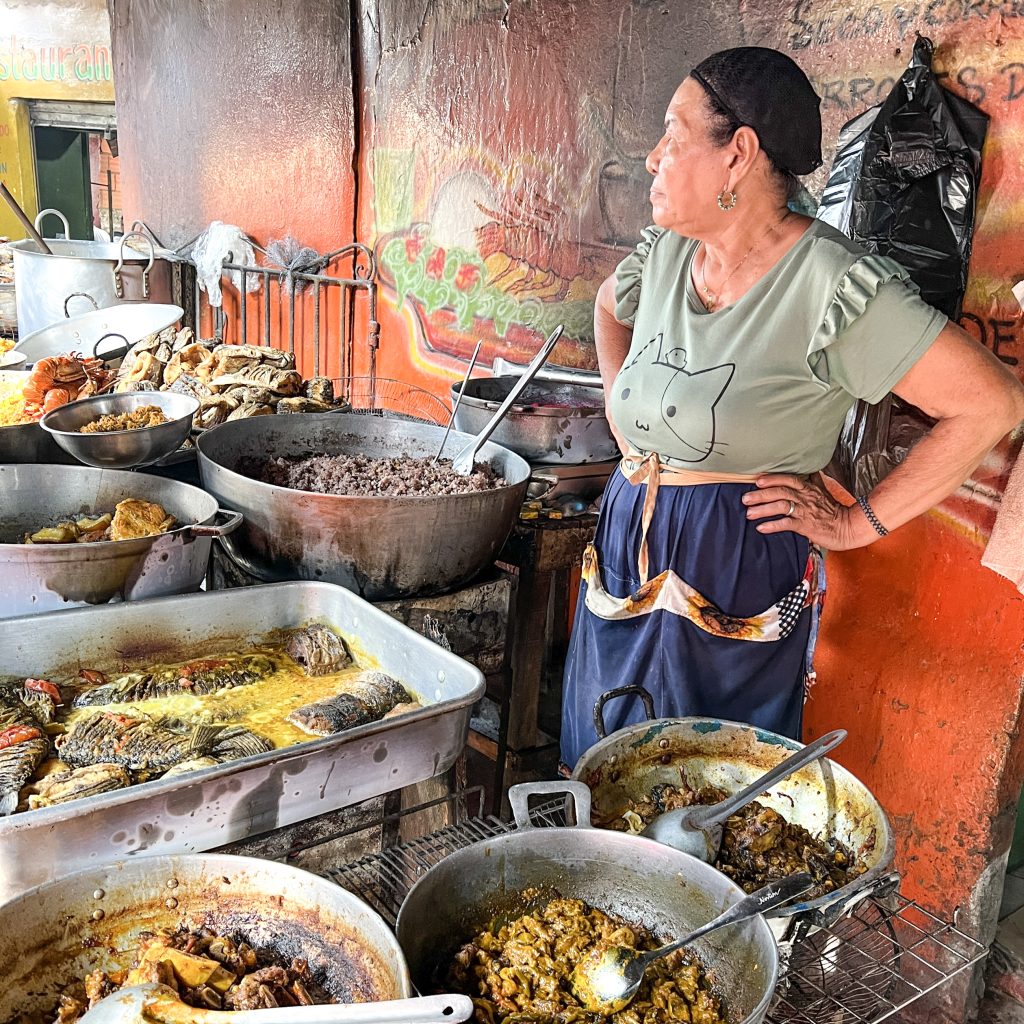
130	321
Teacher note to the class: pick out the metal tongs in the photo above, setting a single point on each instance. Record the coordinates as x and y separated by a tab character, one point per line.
463	462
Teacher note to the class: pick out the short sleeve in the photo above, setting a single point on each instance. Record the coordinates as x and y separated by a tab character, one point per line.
628	275
875	329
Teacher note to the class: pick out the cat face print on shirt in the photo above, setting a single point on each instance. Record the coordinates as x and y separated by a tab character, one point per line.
685	401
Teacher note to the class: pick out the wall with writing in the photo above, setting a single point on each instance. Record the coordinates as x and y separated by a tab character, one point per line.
48	51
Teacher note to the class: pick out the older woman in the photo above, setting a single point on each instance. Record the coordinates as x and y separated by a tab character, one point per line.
732	342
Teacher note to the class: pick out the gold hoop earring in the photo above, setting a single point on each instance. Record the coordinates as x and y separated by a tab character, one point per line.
727	199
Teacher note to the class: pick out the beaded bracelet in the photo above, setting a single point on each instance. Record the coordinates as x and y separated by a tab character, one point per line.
872	518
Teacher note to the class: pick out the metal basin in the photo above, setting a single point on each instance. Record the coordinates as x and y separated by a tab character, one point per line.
551	424
643	882
823	798
122	449
28	442
51	577
60	931
225	803
378	547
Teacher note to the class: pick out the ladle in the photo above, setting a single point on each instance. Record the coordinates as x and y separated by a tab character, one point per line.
153	1002
455	407
698	830
463	462
608	977
23	217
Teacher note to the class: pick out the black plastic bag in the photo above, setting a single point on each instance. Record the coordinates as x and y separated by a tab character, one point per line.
904	183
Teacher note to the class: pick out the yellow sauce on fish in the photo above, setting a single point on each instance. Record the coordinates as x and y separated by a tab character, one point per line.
263	706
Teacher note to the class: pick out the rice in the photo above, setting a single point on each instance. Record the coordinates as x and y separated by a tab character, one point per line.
12	405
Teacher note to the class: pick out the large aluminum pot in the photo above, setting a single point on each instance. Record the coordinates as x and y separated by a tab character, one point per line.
81	276
549	424
51	577
379	547
823	798
58	932
641	881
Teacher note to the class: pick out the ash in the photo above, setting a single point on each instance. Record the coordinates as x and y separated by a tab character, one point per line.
364	476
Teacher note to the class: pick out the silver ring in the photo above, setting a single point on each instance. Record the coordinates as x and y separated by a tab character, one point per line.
792	509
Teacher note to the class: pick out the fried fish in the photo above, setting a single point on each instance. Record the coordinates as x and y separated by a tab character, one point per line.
24	712
318	649
369	697
197	677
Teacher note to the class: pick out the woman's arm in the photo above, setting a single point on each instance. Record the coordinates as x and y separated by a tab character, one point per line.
976	401
612	339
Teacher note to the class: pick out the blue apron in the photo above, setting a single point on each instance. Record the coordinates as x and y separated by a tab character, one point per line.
702	533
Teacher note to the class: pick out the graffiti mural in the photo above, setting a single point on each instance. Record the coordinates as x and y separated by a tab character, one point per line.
507	172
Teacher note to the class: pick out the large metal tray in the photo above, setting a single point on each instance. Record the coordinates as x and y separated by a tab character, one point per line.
230	802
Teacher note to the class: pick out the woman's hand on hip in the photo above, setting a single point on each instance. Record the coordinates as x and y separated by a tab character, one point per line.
802	504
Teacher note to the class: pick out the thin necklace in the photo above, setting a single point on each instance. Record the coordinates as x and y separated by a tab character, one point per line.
710	299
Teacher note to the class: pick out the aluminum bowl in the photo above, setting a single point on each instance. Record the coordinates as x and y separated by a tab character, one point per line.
60	931
122	449
823	798
638	880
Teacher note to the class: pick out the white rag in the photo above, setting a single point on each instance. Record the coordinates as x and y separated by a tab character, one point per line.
1004	552
223	243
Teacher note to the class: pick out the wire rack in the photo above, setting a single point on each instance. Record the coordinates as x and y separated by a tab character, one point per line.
872	963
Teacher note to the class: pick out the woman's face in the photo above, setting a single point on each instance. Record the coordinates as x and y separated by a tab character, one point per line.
689	169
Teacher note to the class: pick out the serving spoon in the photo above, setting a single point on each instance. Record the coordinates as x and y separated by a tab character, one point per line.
464	462
607	978
698	830
159	1003
455	407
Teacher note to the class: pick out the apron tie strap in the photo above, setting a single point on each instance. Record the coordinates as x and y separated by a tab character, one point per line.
648	471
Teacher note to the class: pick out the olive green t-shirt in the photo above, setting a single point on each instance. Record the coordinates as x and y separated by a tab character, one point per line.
762	385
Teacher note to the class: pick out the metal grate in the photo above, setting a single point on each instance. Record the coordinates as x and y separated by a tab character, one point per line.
866	967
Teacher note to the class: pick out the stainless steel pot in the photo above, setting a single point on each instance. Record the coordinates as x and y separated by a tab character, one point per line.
58	932
51	577
379	547
551	423
81	276
638	880
823	798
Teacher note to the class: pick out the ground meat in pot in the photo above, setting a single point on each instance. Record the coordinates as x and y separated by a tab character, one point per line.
365	476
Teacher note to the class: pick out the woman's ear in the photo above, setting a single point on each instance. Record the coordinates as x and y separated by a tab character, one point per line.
745	145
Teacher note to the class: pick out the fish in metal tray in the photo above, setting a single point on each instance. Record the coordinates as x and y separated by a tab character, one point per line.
318	649
369	697
150	746
232	743
60	787
198	677
24	712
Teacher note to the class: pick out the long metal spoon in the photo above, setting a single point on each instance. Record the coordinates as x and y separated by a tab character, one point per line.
455	407
607	978
153	1002
463	462
23	217
698	830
